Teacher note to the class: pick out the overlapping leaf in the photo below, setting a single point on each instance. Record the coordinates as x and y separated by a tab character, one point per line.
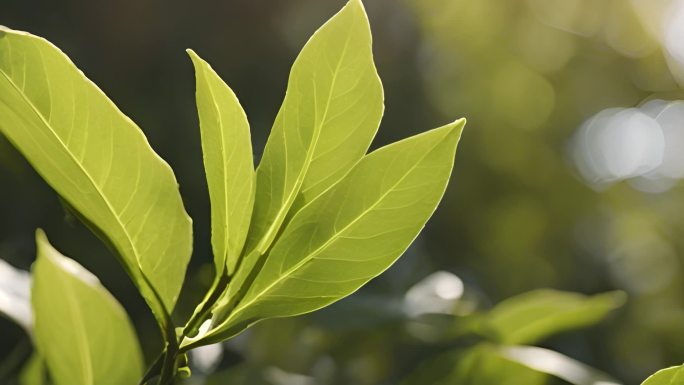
331	112
98	160
352	232
81	332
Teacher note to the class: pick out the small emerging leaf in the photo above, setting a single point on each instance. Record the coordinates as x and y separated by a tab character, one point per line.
352	232
81	331
533	316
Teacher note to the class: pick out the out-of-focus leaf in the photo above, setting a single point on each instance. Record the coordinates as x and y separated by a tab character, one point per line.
352	232
227	150
556	364
480	365
34	371
15	295
331	112
532	316
669	376
98	160
80	330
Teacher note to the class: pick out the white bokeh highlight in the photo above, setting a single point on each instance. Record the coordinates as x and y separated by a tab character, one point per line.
643	145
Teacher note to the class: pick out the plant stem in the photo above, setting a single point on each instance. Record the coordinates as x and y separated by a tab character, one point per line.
154	369
168	370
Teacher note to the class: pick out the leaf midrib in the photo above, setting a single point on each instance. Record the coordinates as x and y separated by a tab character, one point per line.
223	167
263	245
82	342
333	238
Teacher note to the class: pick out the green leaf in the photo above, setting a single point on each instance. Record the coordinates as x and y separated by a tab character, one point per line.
81	331
479	365
34	371
98	160
533	316
555	364
352	232
227	149
670	376
331	112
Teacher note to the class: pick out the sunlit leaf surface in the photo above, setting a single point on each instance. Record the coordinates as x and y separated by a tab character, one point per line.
81	331
352	232
98	160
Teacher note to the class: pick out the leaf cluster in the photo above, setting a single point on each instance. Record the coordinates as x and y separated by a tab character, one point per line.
318	218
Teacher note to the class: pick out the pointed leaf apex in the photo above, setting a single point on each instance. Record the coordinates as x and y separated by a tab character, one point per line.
40	235
458	125
194	56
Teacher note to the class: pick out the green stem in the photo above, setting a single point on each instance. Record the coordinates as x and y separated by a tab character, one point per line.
154	369
210	299
168	370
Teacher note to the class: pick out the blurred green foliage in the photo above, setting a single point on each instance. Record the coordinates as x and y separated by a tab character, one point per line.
517	217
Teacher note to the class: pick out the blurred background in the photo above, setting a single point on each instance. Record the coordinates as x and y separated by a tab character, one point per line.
567	176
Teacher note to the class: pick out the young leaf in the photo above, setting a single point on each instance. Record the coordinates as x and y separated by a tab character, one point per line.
352	232
227	149
532	316
98	160
330	114
669	376
81	331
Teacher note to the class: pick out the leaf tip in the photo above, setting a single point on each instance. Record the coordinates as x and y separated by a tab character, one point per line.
42	242
193	55
40	235
456	127
460	123
357	6
5	30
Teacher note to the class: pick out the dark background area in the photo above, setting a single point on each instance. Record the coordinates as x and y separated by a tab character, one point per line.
517	215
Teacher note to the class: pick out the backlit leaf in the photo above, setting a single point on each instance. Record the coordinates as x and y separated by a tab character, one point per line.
352	232
669	376
81	331
331	112
98	160
227	150
532	316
